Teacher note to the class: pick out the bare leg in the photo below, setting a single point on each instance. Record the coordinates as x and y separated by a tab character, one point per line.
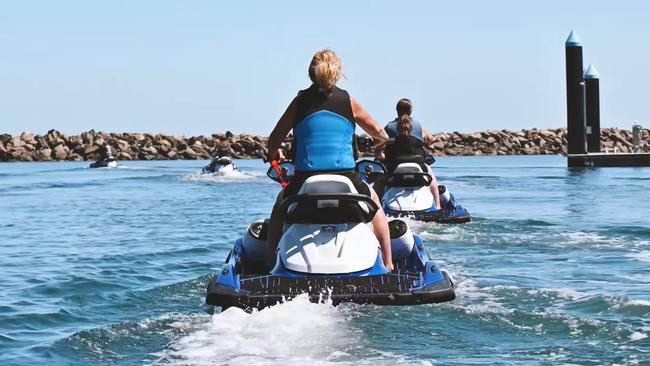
434	188
275	231
380	227
380	186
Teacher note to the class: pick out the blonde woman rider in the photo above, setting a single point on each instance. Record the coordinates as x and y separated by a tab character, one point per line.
323	118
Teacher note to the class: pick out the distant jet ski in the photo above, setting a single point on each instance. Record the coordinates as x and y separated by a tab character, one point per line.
104	163
220	164
105	159
328	250
407	193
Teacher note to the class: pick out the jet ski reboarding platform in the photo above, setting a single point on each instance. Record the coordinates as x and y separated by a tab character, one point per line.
328	250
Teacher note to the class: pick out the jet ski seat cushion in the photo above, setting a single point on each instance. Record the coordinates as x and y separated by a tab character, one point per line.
408	168
328	199
408	175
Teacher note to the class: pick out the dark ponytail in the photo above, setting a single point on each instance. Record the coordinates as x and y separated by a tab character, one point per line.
404	109
404	125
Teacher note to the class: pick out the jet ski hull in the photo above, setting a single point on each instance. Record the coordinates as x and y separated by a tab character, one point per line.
219	165
219	169
387	289
416	280
104	164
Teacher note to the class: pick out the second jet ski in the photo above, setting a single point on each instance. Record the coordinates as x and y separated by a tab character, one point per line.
407	193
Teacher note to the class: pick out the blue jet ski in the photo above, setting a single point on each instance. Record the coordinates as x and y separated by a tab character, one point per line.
329	251
407	192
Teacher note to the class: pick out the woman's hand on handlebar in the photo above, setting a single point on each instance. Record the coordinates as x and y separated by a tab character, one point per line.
379	154
276	155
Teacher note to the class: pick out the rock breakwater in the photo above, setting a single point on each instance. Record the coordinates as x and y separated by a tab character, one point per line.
142	146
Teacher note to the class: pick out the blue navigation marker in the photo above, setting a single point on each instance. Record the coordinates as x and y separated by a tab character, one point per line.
591	73
575	97
573	40
592	99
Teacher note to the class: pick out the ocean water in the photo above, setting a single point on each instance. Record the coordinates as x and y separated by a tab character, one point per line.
110	266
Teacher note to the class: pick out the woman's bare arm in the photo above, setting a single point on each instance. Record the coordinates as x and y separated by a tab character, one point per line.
282	128
368	124
426	135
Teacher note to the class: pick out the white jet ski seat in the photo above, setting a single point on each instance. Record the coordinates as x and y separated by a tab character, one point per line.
408	168
329	199
327	183
409	175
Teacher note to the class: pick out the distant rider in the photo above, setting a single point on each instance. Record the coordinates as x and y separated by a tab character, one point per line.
105	153
221	155
323	118
408	145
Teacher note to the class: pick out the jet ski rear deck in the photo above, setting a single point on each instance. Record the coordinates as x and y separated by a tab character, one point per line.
416	280
401	288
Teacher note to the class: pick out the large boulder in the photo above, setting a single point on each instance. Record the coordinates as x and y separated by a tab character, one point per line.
60	152
122	145
75	157
28	138
163	149
4	154
93	149
17	142
19	154
188	153
138	137
88	137
150	150
99	141
54	138
74	141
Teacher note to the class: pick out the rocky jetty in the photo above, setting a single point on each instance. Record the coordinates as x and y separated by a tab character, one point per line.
526	142
126	146
143	146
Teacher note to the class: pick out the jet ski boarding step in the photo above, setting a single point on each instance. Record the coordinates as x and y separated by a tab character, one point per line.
397	288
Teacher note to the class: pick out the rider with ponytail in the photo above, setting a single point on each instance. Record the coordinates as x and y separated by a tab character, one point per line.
408	145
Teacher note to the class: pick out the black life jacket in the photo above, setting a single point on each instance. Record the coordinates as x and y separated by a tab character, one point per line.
404	149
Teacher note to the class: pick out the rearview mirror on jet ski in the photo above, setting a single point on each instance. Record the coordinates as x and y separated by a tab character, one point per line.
369	167
287	168
429	160
369	170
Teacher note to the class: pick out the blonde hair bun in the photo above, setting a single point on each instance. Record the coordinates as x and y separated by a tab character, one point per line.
325	69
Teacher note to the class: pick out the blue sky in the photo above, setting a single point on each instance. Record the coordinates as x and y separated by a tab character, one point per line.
197	67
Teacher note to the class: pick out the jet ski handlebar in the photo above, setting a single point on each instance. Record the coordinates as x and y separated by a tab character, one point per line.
280	172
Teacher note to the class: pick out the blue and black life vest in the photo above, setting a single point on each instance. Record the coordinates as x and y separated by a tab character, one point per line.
324	131
404	148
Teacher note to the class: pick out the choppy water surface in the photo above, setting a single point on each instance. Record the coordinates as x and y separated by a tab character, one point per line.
109	266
